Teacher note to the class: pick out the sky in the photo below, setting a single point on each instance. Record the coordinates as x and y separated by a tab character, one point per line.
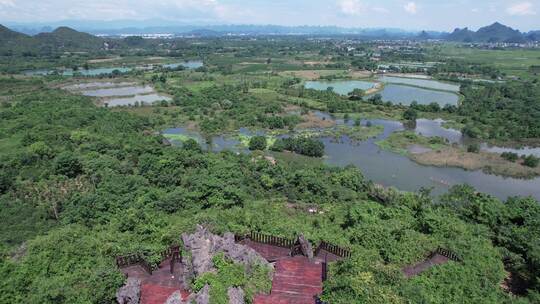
404	14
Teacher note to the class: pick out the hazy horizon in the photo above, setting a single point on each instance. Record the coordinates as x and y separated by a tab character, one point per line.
402	14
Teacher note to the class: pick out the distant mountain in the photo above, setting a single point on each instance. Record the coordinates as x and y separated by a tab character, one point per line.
138	27
13	42
499	33
69	39
533	35
423	36
61	39
7	34
492	34
461	35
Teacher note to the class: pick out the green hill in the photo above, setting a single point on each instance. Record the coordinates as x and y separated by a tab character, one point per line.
499	33
66	38
493	33
62	39
6	34
461	35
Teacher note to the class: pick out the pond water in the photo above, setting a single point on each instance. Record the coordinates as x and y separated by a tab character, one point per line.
91	85
115	94
190	65
118	91
405	95
433	128
141	99
38	72
391	169
96	72
216	143
340	87
518	151
396	93
425	83
83	72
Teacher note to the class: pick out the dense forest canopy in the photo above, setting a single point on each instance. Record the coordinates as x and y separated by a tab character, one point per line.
81	184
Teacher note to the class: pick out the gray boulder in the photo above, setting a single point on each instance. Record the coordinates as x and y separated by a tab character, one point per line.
202	297
204	245
236	295
201	245
130	293
175	298
305	245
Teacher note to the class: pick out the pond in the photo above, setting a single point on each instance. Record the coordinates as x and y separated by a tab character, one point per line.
115	94
100	84
340	87
96	72
118	91
519	151
82	72
190	65
433	128
140	99
395	93
424	83
402	94
216	143
392	169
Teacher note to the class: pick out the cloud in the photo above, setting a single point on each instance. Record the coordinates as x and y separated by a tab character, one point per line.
379	9
521	9
410	8
7	3
352	7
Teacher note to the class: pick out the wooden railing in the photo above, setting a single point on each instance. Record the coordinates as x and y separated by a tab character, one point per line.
291	244
449	254
267	239
324	271
134	259
172	252
334	249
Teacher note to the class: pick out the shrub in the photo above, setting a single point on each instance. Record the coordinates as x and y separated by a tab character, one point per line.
473	148
509	156
410	114
192	145
300	145
67	164
531	161
257	143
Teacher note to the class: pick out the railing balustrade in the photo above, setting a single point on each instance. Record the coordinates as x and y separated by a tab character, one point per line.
172	252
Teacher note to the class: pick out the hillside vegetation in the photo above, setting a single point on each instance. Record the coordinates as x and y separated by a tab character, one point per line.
80	185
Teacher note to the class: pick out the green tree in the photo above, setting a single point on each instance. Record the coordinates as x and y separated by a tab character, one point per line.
473	148
410	114
67	164
257	143
510	156
531	161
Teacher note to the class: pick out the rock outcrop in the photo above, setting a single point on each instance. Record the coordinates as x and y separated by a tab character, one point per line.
306	247
175	298
236	295
204	245
130	293
202	297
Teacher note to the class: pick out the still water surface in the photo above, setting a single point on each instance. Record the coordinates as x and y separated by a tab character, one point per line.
391	169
